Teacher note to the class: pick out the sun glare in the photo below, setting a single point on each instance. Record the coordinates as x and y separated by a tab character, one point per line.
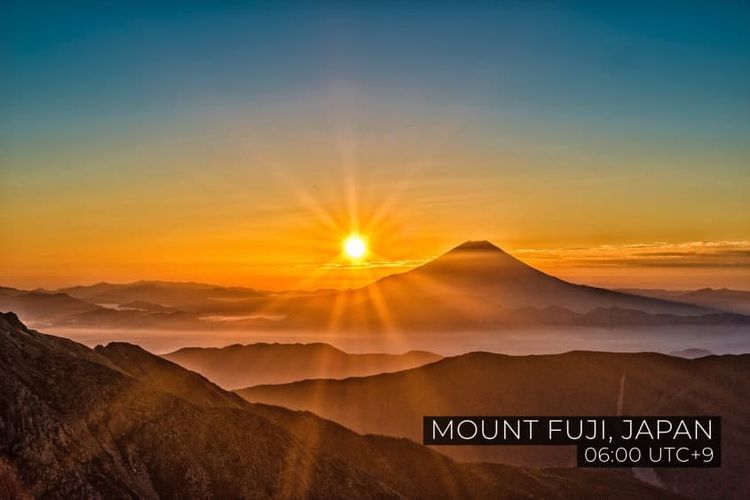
355	247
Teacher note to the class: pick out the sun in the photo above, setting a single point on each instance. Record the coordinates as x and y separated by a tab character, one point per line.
354	247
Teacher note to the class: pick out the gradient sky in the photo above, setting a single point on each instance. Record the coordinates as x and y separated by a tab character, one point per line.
238	142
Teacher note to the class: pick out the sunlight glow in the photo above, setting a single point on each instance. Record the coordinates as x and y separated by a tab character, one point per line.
355	247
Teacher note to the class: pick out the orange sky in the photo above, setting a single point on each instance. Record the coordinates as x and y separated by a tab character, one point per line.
274	217
228	202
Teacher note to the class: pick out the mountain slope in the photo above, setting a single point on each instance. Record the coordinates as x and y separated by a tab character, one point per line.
475	286
118	422
389	458
44	306
78	428
478	286
238	366
692	353
576	383
483	269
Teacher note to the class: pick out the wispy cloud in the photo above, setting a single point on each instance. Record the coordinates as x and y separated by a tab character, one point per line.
383	264
654	254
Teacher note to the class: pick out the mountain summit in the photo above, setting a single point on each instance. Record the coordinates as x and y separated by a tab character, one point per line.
478	264
473	286
478	286
476	246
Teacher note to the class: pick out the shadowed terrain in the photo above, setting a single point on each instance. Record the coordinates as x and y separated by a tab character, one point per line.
692	353
575	383
721	299
118	422
483	269
238	366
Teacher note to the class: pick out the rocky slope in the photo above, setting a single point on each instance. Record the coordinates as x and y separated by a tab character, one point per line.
118	422
238	366
575	383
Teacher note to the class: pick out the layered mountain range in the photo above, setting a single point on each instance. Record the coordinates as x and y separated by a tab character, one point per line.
119	422
475	286
574	383
238	366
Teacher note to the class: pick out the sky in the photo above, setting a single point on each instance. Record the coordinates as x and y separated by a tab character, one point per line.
240	142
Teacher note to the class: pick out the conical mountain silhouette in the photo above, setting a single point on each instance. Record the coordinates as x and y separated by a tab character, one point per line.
478	286
480	263
481	269
475	285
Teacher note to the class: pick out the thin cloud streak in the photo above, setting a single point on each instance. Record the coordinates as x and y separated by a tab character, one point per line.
402	263
735	254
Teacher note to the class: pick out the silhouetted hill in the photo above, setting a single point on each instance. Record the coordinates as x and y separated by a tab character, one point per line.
118	422
475	286
479	268
575	383
140	305
478	286
692	353
47	306
6	290
239	366
164	293
161	374
618	317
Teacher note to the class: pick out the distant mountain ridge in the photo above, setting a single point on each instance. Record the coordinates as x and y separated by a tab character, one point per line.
238	366
164	293
474	286
50	306
692	353
720	299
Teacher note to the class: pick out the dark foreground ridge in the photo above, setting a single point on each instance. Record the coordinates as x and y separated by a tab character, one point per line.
119	422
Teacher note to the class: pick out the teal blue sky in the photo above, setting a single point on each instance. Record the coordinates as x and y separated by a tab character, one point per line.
682	66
